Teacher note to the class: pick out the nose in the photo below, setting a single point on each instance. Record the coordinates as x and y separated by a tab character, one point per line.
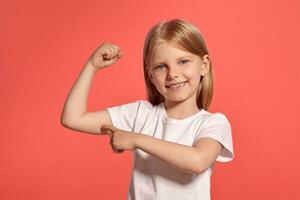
172	74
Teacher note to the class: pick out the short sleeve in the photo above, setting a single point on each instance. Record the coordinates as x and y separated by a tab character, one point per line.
124	116
218	127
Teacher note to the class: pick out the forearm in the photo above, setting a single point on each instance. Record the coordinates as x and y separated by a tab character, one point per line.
76	102
181	156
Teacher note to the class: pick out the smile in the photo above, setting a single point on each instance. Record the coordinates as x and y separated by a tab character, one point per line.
178	85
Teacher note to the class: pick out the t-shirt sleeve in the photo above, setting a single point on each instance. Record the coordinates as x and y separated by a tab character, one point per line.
218	127
124	116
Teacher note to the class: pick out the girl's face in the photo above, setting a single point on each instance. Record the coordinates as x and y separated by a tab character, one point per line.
176	73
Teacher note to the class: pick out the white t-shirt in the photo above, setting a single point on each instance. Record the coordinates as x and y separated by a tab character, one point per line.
155	179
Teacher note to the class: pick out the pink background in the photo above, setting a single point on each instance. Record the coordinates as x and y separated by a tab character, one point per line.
254	47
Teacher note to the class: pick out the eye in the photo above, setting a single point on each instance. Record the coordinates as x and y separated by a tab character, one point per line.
184	61
160	66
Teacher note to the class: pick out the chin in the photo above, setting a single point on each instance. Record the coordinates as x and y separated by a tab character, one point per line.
176	100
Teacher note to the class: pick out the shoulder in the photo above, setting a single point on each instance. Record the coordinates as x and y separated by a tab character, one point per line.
134	105
215	118
144	104
215	125
132	108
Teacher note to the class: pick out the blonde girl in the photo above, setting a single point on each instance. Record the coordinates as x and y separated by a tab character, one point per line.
175	139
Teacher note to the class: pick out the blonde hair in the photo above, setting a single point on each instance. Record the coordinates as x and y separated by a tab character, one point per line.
186	36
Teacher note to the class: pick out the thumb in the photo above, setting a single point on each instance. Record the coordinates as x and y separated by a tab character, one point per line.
120	53
108	129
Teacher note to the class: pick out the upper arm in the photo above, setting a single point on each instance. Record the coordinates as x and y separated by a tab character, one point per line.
209	149
216	130
90	122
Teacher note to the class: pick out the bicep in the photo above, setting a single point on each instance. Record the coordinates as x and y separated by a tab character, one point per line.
209	149
91	122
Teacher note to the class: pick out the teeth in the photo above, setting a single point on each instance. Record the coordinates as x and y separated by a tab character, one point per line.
177	85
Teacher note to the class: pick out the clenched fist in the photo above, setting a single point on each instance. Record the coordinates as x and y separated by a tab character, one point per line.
106	55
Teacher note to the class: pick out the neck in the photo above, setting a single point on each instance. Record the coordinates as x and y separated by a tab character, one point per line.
181	110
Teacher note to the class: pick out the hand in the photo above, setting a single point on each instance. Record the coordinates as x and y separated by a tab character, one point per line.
106	55
120	140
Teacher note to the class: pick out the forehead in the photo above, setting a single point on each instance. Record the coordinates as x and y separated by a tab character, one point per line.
168	50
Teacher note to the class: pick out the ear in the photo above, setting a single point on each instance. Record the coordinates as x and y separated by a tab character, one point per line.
205	67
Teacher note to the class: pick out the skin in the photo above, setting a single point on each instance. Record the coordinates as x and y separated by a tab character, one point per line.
172	65
180	103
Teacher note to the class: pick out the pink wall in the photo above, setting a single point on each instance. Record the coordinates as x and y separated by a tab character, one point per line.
254	47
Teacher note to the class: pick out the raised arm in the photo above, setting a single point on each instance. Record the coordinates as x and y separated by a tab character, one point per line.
74	114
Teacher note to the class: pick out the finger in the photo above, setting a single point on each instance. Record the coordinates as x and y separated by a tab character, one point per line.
116	49
108	61
104	131
107	127
120	53
112	146
112	52
110	136
107	53
111	141
119	151
117	52
115	150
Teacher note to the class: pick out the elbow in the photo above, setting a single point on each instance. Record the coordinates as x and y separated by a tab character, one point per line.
72	123
68	119
196	170
200	166
63	122
199	170
63	119
66	122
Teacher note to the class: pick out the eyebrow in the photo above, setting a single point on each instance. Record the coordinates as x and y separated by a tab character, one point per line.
186	56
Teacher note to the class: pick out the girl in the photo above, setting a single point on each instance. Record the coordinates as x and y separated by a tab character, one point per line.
175	139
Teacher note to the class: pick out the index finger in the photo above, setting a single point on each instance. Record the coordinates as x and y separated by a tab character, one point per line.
108	129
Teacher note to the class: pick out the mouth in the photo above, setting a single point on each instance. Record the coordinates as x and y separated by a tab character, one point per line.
176	85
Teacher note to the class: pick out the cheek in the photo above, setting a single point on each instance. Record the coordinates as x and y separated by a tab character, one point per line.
158	79
192	72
